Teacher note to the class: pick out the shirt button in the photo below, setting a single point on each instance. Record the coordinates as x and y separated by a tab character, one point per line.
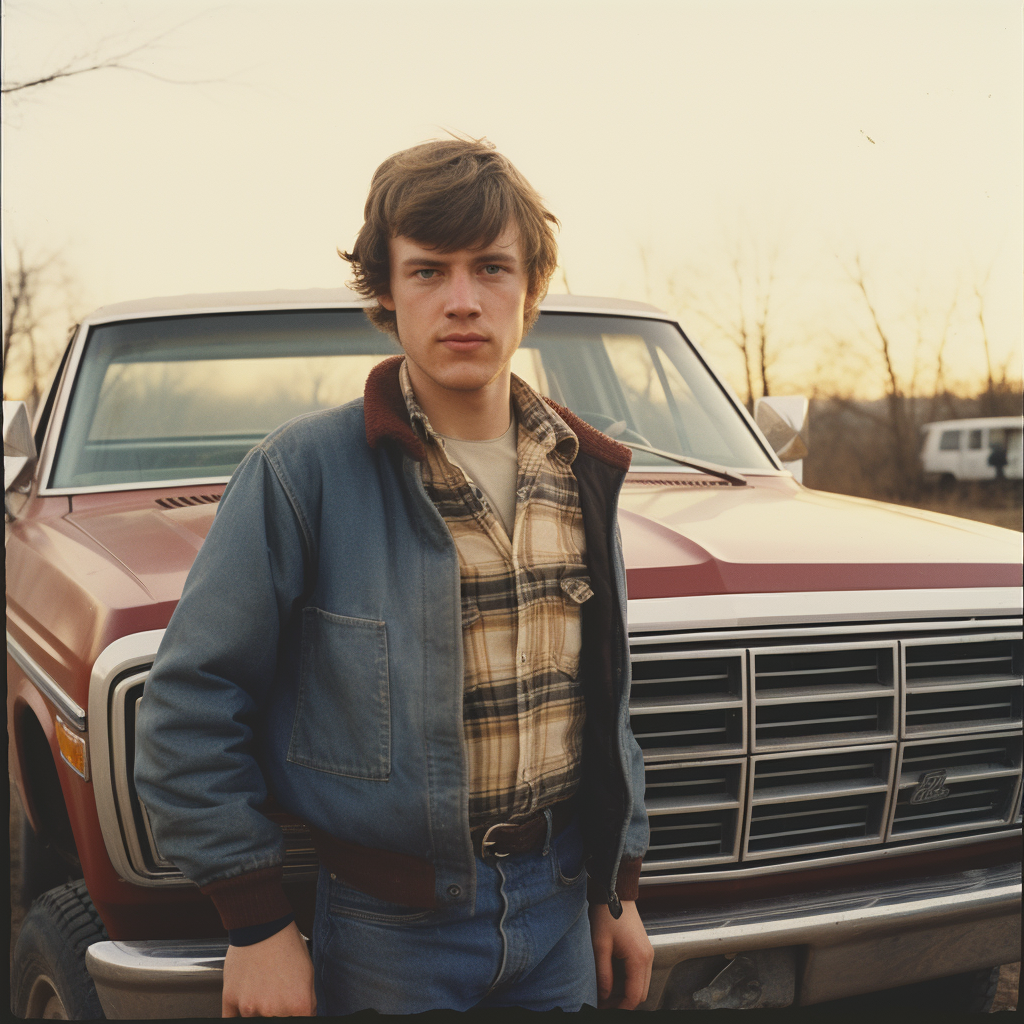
521	494
522	658
454	891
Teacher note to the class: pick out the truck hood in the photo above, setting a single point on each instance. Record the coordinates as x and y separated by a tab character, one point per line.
772	536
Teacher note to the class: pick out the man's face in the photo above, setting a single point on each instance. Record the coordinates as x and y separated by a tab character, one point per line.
460	314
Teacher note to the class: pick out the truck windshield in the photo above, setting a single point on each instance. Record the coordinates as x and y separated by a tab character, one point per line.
184	398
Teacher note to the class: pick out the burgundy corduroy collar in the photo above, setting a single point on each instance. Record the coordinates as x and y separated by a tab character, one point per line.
387	417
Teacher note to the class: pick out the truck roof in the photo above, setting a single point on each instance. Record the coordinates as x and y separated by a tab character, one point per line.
978	422
282	298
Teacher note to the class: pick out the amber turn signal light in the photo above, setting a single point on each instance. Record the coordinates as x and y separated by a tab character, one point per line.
72	748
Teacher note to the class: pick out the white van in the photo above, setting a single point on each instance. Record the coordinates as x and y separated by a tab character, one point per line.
960	449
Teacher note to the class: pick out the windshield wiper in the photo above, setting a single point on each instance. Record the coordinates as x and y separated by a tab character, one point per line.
705	467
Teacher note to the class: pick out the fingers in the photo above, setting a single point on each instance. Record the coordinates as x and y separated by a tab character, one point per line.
270	978
603	964
638	979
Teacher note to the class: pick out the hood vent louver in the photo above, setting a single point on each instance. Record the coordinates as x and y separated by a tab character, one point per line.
187	500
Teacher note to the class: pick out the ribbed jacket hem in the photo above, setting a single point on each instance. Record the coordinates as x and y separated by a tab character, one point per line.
627	883
254	898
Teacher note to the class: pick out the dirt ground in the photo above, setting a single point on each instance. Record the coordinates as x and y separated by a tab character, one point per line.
1006	514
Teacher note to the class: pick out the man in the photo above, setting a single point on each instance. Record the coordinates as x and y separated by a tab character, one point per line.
407	623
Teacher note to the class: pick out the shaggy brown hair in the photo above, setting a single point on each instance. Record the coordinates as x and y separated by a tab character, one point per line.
450	194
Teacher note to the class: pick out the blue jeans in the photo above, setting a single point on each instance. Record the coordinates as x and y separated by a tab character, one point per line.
527	945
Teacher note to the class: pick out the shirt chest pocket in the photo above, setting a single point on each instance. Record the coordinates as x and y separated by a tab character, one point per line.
566	623
343	711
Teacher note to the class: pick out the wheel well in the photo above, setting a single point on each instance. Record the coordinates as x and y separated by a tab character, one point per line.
42	787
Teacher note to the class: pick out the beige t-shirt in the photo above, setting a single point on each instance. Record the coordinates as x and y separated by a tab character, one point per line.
490	467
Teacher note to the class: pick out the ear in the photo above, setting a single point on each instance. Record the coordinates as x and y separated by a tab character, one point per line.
387	302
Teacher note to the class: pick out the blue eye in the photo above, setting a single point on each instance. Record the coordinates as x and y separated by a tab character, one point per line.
425	274
491	269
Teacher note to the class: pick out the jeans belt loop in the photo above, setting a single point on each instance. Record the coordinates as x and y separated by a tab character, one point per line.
547	838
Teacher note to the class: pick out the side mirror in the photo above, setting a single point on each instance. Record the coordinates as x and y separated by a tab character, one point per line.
783	421
19	444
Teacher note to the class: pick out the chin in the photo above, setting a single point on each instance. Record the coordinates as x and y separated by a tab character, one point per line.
466	378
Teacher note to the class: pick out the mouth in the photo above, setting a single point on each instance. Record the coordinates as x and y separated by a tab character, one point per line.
463	342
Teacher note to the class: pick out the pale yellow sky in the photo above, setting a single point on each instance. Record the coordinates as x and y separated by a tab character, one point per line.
662	134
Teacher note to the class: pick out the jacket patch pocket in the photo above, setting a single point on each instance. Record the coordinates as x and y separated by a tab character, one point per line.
343	712
568	635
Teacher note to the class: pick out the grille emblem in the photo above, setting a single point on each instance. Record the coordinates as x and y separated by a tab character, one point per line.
930	787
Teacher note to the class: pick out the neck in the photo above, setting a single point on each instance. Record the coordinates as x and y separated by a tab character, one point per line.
480	414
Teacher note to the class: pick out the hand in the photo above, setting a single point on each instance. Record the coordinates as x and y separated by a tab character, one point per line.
624	939
272	978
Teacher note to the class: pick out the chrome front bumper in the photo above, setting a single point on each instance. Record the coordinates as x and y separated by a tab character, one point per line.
841	943
816	947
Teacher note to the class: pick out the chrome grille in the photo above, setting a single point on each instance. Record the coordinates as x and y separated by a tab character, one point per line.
962	685
812	802
952	784
694	812
804	696
765	751
688	706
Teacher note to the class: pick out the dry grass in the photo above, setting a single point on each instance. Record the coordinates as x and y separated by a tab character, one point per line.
998	510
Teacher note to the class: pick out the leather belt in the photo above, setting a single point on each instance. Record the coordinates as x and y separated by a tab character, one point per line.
505	839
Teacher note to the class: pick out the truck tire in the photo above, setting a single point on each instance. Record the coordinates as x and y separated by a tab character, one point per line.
42	867
48	974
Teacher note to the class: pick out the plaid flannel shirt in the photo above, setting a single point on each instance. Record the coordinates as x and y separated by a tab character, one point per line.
523	708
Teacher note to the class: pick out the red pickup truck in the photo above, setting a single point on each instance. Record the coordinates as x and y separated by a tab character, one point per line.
827	690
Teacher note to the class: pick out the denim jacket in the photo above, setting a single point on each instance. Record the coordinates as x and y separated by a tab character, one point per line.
316	655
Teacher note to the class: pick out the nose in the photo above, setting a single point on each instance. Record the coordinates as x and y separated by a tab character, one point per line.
462	300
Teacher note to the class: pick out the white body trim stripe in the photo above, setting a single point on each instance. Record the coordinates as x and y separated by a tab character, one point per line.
809	608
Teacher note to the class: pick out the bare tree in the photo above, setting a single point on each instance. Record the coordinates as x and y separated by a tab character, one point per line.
37	310
988	399
899	407
940	402
93	60
743	318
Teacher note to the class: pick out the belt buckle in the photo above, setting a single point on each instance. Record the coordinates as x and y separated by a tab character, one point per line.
485	842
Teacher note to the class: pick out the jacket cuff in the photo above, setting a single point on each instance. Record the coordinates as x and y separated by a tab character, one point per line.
254	898
627	882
